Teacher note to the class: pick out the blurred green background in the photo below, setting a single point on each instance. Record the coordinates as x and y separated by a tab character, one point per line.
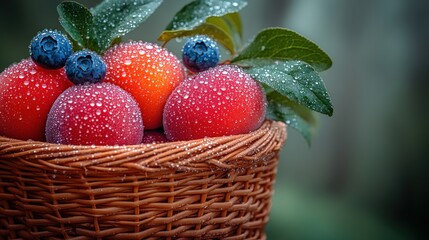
364	177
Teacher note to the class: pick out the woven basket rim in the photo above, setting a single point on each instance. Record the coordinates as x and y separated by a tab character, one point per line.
148	157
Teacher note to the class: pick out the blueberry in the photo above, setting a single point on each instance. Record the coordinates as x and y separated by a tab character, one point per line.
85	67
50	49
200	53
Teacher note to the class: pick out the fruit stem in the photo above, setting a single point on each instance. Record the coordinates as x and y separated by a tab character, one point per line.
163	45
226	62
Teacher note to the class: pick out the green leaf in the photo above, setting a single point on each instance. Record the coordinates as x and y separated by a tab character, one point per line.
296	80
198	11
234	22
218	19
115	18
280	108
76	19
206	29
284	44
231	25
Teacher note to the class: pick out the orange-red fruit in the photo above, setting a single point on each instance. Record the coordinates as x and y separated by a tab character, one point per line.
220	101
27	92
147	71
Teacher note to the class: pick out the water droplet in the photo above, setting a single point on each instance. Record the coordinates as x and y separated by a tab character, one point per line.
127	62
26	82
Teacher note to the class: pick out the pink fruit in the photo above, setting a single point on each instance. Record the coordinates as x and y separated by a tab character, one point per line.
220	101
153	137
95	114
27	92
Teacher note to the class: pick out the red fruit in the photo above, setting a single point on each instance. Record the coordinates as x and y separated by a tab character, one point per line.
95	114
150	73
27	92
154	137
220	101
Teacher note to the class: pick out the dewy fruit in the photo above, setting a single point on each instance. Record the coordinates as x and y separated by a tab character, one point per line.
50	49
200	53
220	101
147	71
27	92
85	67
153	136
95	114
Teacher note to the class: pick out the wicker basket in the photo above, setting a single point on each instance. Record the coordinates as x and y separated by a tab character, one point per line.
213	188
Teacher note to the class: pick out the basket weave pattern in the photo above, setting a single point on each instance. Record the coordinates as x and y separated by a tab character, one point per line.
213	188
